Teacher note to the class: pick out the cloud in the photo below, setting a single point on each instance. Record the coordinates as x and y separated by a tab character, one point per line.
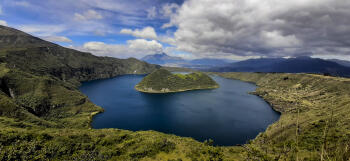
134	48
42	30
130	7
169	9
21	3
167	39
88	15
275	39
147	32
152	12
57	39
269	28
3	23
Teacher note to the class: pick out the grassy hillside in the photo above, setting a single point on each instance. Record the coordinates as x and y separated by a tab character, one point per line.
35	56
315	120
39	80
163	81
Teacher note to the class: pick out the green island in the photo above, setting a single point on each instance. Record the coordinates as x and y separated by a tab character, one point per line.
43	115
163	81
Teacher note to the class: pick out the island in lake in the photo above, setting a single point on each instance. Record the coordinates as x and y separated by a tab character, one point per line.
163	81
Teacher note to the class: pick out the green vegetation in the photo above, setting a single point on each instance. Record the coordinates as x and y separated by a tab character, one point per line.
163	81
179	69
315	120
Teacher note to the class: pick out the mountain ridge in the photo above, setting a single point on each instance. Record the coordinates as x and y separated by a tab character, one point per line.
290	65
162	59
167	60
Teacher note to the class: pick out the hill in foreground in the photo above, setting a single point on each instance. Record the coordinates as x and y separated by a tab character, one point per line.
163	81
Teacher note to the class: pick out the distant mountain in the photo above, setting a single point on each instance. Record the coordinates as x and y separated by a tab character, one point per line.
166	60
208	63
341	62
291	65
252	65
163	59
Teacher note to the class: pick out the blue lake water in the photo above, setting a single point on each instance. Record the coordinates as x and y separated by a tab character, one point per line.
228	115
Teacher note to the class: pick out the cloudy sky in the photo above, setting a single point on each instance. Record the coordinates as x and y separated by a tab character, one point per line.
235	29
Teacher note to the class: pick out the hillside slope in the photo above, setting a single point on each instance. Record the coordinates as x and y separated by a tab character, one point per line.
315	118
33	55
39	79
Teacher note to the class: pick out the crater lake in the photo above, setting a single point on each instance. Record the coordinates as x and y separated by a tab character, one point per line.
228	115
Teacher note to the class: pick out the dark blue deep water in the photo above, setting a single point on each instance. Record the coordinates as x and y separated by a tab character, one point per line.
228	115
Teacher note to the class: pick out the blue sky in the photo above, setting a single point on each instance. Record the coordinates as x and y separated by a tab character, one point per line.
232	29
75	23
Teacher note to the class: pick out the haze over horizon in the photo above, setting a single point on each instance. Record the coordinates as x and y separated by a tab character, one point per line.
190	29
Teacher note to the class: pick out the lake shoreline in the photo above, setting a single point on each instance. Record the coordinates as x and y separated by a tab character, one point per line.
166	91
98	117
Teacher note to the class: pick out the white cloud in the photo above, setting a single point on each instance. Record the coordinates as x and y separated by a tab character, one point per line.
88	15
262	28
131	7
275	39
165	11
21	3
3	23
134	48
169	9
42	30
152	46
167	39
152	12
147	32
57	39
